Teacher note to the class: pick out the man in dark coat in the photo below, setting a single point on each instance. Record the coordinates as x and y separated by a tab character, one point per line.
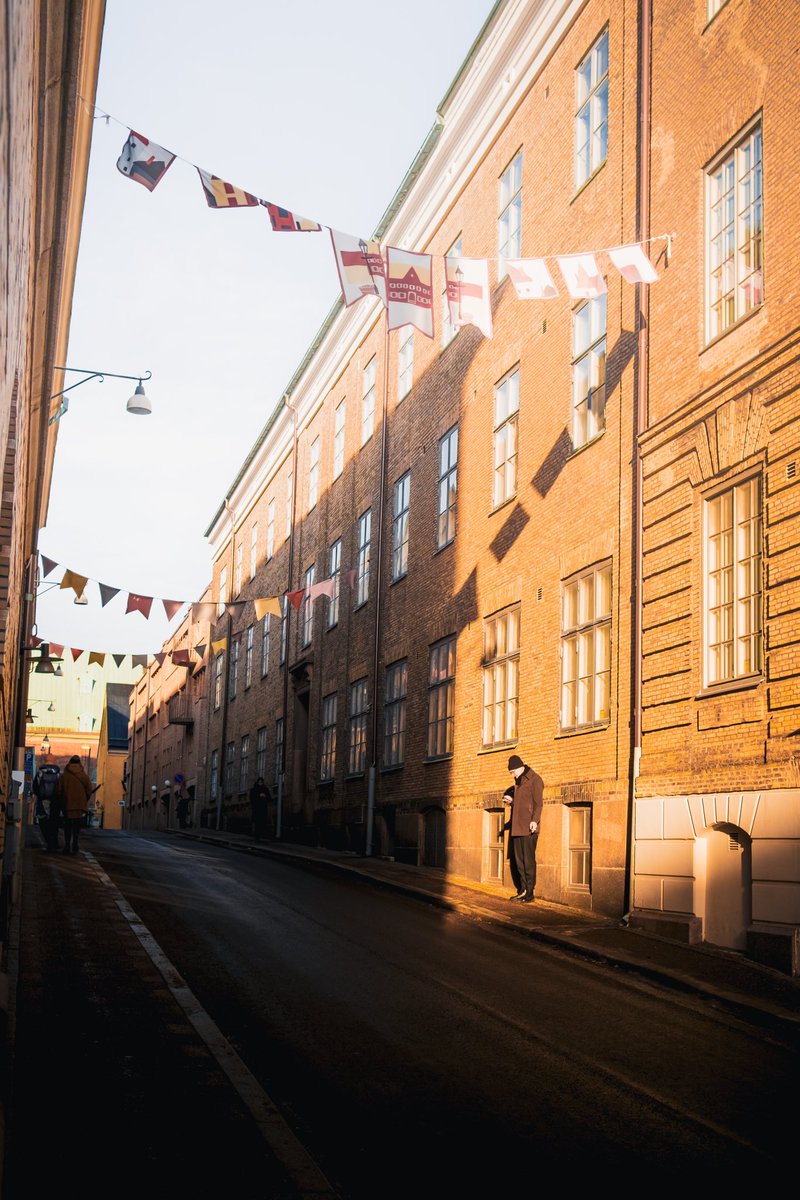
526	815
260	799
74	790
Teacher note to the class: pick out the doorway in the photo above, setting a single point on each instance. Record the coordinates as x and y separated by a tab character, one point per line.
727	908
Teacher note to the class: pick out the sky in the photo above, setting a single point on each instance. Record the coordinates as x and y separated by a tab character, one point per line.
320	108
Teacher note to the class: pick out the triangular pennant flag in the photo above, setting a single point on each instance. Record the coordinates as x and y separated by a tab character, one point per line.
76	653
296	598
220	194
141	604
200	649
633	264
531	278
96	657
160	657
204	610
468	297
270	604
218	646
324	588
139	660
106	593
283	221
55	650
144	161
349	577
235	608
409	290
47	566
582	276
171	607
35	641
74	581
361	267
180	658
119	659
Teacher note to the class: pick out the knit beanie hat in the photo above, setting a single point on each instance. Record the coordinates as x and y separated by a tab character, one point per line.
515	762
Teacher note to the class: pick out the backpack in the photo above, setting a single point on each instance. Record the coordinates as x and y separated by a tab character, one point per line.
48	782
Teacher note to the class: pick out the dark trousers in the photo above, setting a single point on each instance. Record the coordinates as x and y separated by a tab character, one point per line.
72	827
525	858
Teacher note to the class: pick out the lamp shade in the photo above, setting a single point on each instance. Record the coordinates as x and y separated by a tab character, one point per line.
139	404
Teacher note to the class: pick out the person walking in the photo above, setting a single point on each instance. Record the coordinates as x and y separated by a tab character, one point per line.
75	788
526	803
48	808
260	800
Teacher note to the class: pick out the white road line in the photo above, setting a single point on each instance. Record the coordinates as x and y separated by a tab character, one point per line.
301	1168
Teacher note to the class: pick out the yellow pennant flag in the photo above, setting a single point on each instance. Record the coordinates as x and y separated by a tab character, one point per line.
74	581
96	656
218	647
269	605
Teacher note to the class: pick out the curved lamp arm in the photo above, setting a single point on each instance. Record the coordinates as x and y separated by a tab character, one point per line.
87	375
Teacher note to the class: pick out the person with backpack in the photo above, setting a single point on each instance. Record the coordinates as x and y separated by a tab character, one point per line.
74	789
48	805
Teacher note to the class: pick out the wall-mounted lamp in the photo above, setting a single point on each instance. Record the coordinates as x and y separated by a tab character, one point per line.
44	662
45	744
80	599
139	403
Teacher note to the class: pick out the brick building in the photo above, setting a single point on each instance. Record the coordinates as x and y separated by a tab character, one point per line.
524	531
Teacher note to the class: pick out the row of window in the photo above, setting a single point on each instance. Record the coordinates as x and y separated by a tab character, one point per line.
732	645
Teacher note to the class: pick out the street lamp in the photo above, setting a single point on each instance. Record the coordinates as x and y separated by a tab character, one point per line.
45	744
139	403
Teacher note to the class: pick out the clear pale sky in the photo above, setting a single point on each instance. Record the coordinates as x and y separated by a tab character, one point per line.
318	107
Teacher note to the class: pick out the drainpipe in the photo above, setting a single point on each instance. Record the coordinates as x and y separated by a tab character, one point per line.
144	759
288	613
378	597
640	424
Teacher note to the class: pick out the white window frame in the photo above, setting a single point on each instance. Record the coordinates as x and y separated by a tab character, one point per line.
734	585
340	418
313	473
307	634
405	363
400	513
270	529
735	232
244	756
357	728
586	630
509	219
579	838
261	753
506	421
446	488
334	573
589	331
222	599
289	503
364	537
501	649
237	586
248	657
591	111
218	663
368	378
441	698
327	761
395	695
253	549
265	644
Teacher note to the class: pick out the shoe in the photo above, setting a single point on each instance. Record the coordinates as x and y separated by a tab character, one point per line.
528	899
519	896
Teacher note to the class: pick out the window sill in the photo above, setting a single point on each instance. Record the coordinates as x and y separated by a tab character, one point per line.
499	748
363	604
737	324
596	727
743	684
439	758
355	776
328	628
326	783
392	768
589	179
398	579
576	450
441	549
503	504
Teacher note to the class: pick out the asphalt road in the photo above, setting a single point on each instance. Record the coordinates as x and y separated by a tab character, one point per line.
412	1050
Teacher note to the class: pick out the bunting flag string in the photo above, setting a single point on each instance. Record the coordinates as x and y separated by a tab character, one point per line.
402	279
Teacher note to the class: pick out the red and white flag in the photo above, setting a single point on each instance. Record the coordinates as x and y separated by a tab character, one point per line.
144	161
409	290
283	221
361	267
467	281
633	264
582	276
531	277
220	194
